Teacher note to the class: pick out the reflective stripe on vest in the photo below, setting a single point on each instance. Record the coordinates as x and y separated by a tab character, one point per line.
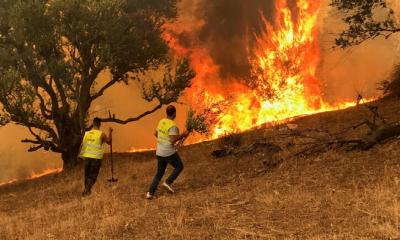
92	146
163	130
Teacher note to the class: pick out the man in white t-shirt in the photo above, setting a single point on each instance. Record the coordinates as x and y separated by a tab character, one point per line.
167	134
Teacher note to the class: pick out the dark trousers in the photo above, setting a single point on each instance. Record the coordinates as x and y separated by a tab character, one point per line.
92	168
175	161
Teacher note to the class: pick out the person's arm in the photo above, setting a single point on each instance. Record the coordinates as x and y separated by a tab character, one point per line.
176	138
106	139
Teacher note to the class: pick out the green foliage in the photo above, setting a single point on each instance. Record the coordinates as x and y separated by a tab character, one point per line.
52	52
196	122
365	20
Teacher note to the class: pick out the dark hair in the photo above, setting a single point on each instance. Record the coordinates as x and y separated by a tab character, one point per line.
96	122
171	111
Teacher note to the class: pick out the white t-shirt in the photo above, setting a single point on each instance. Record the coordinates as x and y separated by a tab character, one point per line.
166	149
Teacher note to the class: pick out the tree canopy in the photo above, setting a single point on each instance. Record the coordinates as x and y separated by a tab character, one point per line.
365	20
52	52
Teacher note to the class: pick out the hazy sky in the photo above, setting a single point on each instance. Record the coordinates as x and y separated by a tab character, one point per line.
357	69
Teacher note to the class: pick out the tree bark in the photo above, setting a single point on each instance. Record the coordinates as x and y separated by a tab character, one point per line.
70	157
70	145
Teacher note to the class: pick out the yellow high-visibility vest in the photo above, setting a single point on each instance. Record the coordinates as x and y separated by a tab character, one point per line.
163	130
92	145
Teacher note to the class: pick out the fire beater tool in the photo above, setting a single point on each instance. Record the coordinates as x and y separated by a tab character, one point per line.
112	179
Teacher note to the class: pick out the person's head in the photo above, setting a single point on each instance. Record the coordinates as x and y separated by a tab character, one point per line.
96	122
171	112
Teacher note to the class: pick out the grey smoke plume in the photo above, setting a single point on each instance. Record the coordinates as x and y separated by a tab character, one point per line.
229	30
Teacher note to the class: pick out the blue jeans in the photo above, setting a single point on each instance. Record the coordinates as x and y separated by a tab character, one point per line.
175	161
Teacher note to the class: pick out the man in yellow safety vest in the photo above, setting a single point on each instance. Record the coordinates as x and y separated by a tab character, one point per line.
168	136
92	152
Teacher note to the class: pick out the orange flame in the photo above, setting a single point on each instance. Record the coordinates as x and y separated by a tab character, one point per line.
283	76
8	182
35	175
45	172
139	150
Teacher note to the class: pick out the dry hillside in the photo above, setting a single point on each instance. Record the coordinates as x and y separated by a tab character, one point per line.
264	190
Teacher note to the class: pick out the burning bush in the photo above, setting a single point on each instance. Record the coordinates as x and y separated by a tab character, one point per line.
391	87
196	122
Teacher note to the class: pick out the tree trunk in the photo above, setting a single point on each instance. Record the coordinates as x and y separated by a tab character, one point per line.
70	157
70	141
69	161
70	147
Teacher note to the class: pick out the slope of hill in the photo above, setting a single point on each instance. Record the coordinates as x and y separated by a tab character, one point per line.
262	191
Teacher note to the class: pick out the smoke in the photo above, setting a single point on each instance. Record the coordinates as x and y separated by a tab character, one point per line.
229	30
126	101
228	33
226	29
396	7
359	69
15	161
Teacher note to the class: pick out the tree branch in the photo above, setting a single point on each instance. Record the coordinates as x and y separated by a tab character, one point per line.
45	144
61	92
360	16
45	112
113	81
112	119
35	77
33	148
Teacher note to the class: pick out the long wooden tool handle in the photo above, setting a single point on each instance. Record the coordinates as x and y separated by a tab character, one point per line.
111	157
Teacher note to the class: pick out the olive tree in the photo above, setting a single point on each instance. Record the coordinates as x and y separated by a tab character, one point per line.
53	51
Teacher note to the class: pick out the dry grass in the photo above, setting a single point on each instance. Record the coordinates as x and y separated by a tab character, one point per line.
332	195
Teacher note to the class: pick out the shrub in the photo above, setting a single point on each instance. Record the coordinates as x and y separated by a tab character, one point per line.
391	86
